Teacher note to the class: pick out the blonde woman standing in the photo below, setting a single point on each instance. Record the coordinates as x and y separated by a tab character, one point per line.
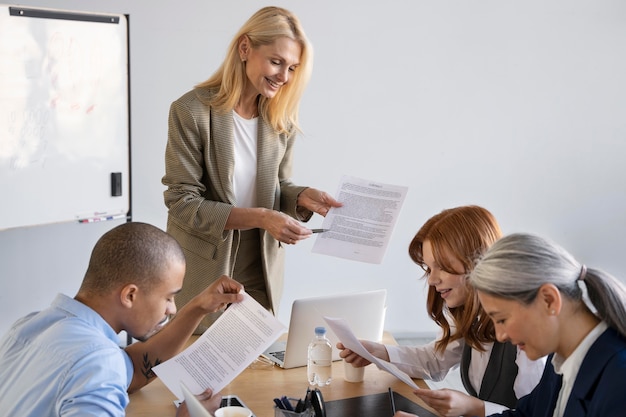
228	162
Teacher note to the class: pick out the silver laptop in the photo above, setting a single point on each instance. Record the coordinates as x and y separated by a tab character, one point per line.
364	311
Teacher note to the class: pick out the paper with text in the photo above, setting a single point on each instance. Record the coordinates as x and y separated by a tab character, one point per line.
343	332
361	229
224	350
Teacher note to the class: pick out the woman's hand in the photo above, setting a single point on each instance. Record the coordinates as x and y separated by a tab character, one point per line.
284	228
451	403
376	349
317	201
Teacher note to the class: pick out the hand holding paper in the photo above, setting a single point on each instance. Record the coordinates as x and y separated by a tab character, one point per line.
361	229
236	338
349	340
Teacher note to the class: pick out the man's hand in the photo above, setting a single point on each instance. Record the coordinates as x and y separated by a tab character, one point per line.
209	401
218	295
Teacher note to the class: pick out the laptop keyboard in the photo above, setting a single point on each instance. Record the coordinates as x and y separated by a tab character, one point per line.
280	355
230	401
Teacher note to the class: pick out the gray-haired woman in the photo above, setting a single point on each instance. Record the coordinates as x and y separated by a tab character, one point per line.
546	302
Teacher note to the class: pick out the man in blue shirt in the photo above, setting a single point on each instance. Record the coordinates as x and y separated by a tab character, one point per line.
66	361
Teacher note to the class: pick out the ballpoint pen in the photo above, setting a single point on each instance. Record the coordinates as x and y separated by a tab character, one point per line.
319	230
392	401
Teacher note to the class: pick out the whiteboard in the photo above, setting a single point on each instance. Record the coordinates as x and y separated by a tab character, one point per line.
64	116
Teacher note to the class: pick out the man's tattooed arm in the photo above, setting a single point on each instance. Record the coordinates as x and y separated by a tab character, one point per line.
147	366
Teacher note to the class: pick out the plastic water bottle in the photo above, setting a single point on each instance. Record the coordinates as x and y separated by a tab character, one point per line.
320	358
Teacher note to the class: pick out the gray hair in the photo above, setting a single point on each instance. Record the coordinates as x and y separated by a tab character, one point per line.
515	266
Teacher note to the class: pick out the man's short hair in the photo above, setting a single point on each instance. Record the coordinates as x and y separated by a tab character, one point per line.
133	252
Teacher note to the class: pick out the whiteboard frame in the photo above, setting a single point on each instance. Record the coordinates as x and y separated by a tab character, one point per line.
52	185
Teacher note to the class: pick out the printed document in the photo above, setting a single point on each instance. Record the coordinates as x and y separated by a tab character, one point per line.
224	350
361	229
343	332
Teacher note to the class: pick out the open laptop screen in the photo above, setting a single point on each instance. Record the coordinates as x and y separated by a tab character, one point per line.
364	311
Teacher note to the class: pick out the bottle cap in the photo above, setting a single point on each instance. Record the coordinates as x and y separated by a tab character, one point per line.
320	330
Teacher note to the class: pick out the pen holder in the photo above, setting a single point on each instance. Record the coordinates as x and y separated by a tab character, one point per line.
286	413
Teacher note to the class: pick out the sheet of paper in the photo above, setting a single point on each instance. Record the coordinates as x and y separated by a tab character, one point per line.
224	350
361	229
346	336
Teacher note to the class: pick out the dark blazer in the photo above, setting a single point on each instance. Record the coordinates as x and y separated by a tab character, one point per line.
598	391
199	168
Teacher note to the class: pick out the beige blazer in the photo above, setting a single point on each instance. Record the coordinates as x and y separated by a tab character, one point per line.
199	166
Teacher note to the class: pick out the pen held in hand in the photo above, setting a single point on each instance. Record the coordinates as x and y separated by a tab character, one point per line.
319	230
392	401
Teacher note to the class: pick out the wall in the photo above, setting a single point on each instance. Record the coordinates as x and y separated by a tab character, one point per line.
516	106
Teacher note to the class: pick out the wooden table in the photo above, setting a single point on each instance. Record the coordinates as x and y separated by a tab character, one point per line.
258	387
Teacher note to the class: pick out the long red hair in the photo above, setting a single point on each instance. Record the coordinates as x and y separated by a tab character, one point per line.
464	233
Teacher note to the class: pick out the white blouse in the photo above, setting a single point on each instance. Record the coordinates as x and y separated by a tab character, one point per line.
245	145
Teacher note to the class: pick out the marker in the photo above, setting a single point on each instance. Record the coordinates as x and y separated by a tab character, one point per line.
88	220
279	403
319	230
286	404
102	219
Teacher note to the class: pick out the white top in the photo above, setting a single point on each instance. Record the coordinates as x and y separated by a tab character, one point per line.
426	363
568	367
244	180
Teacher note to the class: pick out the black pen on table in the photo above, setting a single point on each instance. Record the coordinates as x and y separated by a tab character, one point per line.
392	401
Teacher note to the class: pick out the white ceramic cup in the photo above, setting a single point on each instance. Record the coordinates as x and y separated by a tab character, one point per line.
233	411
353	374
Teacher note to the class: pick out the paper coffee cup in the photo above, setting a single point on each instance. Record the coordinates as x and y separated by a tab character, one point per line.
353	374
233	411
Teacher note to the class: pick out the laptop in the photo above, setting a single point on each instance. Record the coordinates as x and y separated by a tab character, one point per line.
364	311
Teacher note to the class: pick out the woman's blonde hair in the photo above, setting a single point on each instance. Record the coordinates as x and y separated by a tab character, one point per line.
263	28
463	233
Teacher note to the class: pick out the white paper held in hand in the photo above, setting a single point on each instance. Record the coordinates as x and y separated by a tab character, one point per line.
225	349
361	229
349	340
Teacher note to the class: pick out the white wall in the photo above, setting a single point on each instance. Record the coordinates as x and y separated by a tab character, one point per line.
516	106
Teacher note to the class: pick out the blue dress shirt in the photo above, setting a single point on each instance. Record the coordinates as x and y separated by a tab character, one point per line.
63	361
